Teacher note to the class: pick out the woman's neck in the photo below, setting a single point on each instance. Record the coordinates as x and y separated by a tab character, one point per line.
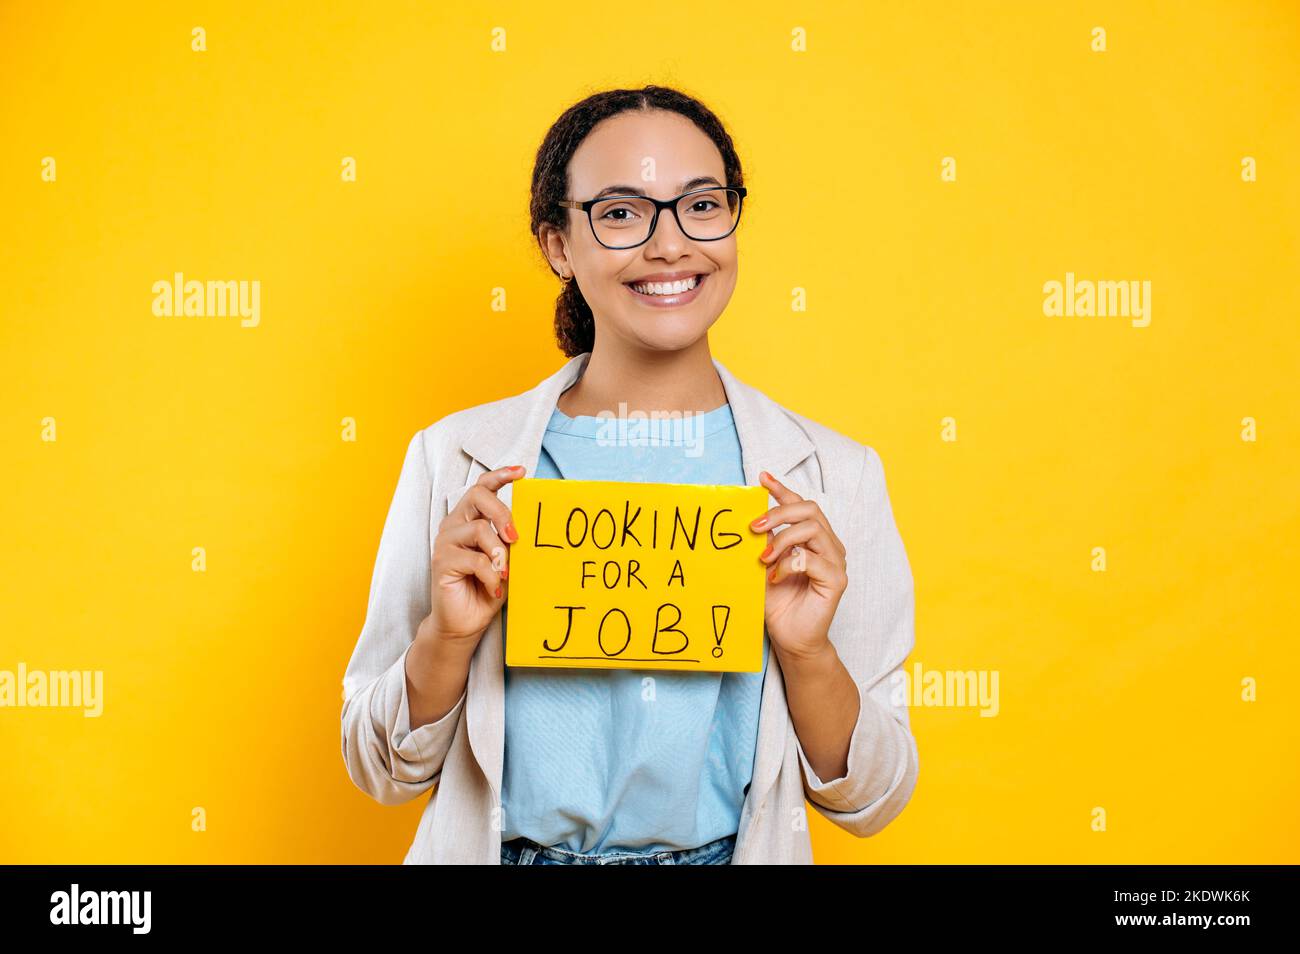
646	381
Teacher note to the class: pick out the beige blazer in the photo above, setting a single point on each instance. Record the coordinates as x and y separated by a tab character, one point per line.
457	761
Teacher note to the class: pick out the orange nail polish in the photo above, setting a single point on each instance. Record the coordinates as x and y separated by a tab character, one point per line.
498	592
763	555
511	532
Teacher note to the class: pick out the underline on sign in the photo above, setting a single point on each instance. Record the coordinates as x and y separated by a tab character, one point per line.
619	658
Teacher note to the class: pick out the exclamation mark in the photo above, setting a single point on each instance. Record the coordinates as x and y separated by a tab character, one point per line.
719	631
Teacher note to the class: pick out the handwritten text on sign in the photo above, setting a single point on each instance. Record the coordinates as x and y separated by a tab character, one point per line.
625	575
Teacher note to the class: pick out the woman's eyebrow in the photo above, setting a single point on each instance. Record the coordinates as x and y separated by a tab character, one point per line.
686	186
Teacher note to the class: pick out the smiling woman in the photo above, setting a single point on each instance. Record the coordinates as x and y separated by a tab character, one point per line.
606	233
636	199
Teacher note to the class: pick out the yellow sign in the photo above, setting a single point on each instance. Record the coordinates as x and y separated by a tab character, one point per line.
625	575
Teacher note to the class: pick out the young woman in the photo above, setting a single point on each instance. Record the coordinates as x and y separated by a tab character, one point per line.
636	195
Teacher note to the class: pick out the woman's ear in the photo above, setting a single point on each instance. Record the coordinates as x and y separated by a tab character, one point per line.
555	245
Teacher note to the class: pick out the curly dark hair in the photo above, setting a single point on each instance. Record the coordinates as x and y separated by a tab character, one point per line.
575	326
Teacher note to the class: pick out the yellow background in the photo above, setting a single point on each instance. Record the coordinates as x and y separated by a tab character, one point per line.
1118	689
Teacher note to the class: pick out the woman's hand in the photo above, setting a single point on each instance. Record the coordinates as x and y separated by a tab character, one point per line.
807	575
470	562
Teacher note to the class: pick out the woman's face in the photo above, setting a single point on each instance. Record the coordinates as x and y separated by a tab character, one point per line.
660	153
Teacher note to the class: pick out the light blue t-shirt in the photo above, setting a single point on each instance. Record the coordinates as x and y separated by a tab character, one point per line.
590	765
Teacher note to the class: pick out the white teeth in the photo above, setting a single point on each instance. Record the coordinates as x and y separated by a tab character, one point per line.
666	288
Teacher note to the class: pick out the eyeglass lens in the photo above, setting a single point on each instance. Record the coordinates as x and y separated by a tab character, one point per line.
705	215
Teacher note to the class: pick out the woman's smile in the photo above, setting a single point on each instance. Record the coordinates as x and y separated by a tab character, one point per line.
667	291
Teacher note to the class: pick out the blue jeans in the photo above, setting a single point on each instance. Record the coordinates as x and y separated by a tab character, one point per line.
525	851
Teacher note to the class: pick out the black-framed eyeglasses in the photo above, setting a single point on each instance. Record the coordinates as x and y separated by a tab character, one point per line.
626	221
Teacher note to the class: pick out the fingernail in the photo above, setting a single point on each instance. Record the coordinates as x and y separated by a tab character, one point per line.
771	577
760	523
763	555
505	574
498	592
511	532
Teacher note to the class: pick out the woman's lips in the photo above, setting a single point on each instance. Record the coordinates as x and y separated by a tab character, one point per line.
670	301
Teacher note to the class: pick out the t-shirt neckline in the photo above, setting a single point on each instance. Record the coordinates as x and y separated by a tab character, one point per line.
588	425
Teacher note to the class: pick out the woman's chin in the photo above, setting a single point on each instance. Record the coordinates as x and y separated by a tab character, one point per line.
667	334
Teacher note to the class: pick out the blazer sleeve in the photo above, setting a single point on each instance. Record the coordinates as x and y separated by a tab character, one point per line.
882	759
384	758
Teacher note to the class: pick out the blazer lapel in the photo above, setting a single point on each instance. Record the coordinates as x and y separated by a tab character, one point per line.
770	440
511	432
